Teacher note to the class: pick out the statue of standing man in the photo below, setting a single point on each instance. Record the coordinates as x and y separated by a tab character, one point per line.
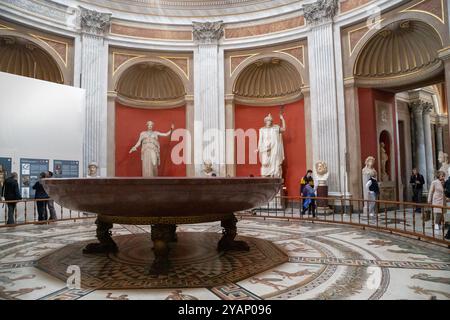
270	147
150	150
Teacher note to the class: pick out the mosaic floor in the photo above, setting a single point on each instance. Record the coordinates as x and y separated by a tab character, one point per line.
324	262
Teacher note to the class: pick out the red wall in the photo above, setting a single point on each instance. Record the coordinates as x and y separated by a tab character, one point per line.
294	166
130	122
368	128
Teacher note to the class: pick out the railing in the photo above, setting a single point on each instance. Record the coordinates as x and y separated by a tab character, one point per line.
26	212
407	218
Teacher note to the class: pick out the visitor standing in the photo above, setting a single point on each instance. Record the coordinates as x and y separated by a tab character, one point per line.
309	202
41	194
436	197
373	192
10	192
50	202
417	181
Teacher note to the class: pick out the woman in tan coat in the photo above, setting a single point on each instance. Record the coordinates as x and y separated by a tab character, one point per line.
436	197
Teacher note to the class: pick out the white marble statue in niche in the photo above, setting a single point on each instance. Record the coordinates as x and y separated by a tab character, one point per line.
384	158
150	149
270	147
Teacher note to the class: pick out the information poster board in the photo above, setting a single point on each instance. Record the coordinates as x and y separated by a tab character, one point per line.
66	168
29	174
5	169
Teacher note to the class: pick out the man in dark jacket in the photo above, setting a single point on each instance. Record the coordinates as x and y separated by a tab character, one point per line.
417	181
10	192
41	194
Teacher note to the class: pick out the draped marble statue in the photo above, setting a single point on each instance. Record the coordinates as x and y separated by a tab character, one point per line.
445	166
150	149
270	147
367	172
384	158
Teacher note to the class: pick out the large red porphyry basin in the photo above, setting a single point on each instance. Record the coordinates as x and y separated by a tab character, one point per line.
162	196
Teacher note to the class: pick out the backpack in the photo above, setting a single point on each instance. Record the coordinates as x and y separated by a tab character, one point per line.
374	186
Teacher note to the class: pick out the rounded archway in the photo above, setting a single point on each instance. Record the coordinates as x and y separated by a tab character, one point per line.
24	58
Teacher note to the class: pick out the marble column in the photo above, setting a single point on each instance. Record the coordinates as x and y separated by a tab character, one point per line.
428	142
209	113
230	143
94	71
439	141
190	109
323	91
421	163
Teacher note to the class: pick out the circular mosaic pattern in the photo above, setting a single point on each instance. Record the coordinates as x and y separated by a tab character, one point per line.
195	262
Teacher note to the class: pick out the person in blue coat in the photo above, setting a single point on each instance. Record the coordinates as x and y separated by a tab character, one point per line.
309	203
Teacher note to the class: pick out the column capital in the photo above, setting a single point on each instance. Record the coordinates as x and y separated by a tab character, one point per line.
207	32
321	11
94	22
416	107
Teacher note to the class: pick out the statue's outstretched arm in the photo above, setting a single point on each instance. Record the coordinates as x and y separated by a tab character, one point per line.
168	133
283	124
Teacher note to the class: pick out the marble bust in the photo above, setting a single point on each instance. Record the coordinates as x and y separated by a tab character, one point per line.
321	172
208	169
270	147
93	170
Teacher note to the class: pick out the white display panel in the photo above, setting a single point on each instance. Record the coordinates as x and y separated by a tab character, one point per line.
40	119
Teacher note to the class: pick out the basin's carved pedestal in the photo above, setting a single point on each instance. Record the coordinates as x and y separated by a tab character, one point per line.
162	235
229	232
106	244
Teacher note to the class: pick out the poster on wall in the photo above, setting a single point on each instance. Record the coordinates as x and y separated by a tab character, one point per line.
5	169
66	168
29	174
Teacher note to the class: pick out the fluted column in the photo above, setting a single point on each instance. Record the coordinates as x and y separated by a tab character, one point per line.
428	141
445	57
324	113
209	136
421	163
439	141
230	144
94	69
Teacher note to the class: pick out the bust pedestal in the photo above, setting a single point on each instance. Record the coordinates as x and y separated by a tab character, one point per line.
322	204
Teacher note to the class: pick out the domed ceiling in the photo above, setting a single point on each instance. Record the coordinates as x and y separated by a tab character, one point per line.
23	58
150	83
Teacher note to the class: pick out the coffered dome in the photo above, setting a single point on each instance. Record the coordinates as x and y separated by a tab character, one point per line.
21	57
150	82
401	48
268	79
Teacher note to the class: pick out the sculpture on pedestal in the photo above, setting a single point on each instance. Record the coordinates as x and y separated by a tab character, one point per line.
383	159
270	147
367	172
150	149
443	159
321	176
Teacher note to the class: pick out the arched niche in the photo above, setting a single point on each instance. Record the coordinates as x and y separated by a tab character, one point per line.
26	57
385	156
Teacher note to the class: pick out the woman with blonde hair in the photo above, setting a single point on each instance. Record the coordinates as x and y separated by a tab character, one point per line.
436	197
